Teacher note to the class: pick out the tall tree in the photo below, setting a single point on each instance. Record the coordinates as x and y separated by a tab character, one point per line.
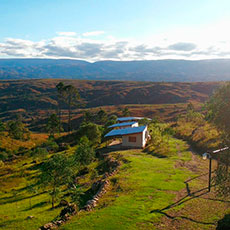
219	113
219	110
55	173
54	125
60	91
71	97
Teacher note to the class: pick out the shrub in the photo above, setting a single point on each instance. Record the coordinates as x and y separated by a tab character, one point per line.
39	153
3	156
84	153
50	145
91	131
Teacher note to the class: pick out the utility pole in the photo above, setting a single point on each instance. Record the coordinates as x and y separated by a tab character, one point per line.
208	155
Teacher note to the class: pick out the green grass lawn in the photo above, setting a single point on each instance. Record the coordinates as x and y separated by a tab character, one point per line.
15	200
143	184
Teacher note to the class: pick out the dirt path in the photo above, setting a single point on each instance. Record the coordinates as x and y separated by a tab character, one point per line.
194	208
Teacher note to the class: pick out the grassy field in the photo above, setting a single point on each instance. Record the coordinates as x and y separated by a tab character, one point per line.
144	183
15	200
149	192
153	189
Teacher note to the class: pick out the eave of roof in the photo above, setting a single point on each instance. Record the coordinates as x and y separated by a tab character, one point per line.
126	131
123	124
131	118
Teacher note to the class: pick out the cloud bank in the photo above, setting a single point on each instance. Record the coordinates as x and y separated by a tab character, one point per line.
89	47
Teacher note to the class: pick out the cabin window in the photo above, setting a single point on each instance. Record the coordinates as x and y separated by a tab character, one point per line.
132	139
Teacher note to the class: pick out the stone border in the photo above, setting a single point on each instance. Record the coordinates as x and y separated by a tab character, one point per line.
71	209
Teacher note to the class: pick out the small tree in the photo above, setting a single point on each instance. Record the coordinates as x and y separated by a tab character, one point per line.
32	190
54	125
190	107
39	153
85	152
88	116
111	120
125	112
2	126
17	130
75	193
102	116
91	131
56	172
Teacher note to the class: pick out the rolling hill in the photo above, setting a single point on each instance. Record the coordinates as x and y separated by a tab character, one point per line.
156	70
36	99
41	94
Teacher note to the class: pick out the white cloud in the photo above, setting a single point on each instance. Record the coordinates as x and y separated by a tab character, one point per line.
93	33
68	34
181	44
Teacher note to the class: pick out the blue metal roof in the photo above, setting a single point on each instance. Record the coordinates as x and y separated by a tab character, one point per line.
126	131
122	124
129	118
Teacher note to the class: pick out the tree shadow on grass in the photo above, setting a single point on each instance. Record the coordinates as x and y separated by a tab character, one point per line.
224	223
38	205
13	198
8	222
190	196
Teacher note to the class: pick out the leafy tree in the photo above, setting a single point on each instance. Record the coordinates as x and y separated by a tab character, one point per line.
85	152
53	126
190	107
2	126
17	130
71	97
125	112
144	121
91	131
88	116
102	116
55	173
39	153
219	110
75	193
50	145
32	190
60	91
3	155
219	113
111	120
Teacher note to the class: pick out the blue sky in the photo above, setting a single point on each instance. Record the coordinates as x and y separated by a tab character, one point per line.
115	29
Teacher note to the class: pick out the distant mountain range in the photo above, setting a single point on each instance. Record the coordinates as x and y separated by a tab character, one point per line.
157	70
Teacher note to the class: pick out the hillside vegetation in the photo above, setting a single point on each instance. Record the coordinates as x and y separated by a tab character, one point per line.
35	99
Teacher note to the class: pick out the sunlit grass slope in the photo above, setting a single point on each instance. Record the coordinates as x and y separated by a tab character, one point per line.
144	183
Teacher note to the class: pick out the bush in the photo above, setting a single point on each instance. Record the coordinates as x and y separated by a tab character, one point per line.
1	163
39	153
91	131
3	156
84	153
50	146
